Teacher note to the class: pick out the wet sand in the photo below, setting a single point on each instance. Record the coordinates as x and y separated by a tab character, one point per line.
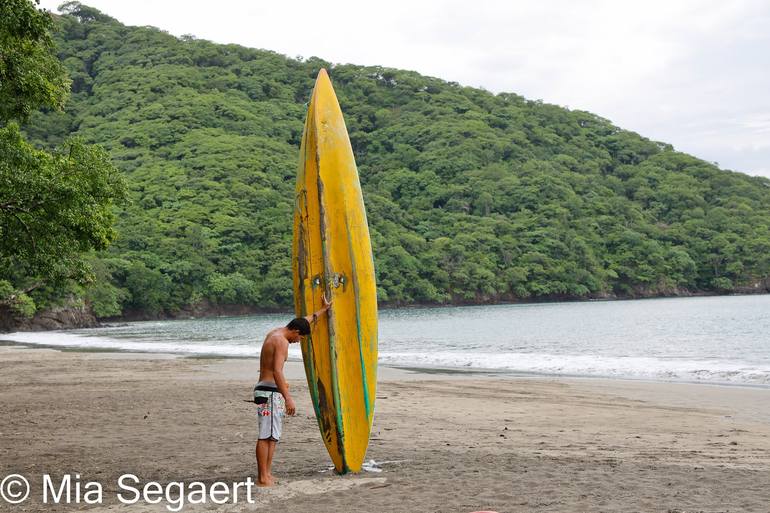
443	442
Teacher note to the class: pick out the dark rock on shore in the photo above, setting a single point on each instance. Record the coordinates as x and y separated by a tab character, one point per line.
69	316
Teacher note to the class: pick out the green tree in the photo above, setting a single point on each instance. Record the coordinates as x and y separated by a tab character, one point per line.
31	76
54	206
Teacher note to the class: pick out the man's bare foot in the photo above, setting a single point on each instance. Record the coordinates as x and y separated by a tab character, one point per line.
270	481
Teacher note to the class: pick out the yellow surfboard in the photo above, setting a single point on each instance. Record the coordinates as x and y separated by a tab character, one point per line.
332	255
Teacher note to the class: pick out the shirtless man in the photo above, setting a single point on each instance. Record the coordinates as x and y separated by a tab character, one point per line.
272	392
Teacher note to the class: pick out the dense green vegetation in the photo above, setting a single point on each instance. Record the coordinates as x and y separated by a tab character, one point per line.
471	196
54	206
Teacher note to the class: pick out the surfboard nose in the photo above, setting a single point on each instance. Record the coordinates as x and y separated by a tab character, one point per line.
323	90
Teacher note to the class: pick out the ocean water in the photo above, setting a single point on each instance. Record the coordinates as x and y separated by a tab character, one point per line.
705	339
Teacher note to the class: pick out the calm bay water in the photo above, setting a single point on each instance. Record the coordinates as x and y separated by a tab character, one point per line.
707	339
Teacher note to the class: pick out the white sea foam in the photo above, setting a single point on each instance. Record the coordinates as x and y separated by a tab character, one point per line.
73	340
673	369
60	339
638	367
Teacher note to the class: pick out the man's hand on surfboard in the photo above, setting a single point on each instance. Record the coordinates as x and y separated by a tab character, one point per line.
315	316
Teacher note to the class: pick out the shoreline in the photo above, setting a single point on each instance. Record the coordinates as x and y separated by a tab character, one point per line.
425	372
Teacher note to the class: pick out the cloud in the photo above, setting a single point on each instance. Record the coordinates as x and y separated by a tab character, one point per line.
694	73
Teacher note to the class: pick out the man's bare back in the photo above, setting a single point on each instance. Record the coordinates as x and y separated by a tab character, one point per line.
272	357
274	340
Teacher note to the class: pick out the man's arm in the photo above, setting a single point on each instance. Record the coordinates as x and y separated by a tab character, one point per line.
279	358
315	316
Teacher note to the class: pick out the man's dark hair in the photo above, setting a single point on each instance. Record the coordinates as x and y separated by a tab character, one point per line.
300	324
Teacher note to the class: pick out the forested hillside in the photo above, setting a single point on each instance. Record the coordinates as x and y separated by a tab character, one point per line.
471	196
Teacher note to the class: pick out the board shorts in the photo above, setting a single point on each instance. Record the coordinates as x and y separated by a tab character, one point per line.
271	408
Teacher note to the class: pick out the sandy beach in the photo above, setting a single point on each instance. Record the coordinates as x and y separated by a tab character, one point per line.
449	442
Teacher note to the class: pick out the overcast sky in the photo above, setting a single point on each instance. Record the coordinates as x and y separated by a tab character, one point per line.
693	73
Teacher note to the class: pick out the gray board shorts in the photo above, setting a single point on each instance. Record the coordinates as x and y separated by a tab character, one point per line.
271	408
